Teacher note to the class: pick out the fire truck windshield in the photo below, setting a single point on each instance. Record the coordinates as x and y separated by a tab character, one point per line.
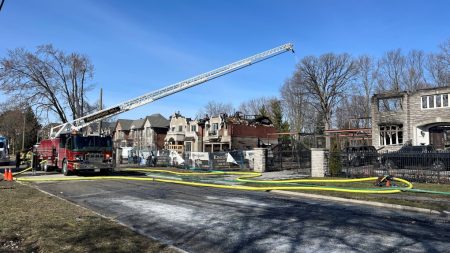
91	143
2	145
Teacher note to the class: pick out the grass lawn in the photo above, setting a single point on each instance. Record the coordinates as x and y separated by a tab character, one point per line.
423	200
32	221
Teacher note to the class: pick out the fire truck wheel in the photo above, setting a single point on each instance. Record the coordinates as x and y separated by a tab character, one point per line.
65	170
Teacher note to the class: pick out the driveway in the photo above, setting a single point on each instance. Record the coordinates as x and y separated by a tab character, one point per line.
199	219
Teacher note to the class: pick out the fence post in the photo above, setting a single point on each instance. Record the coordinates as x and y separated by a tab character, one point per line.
318	162
259	164
118	156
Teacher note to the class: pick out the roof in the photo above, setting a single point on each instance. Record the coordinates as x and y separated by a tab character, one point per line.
105	125
157	120
138	123
124	123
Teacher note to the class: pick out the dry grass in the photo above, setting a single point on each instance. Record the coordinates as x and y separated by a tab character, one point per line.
32	221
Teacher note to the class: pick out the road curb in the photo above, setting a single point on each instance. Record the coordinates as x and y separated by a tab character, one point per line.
444	215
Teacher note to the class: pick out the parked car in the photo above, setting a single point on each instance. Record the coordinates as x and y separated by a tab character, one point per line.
360	155
413	156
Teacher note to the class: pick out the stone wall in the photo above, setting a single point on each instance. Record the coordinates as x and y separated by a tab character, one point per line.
318	162
259	159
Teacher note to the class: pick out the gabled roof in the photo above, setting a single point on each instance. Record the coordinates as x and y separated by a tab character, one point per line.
158	121
105	125
124	123
137	124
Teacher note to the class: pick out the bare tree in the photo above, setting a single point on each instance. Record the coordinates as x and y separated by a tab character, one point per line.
438	65
326	79
350	113
295	104
48	79
438	70
414	75
366	79
445	53
256	106
213	108
391	71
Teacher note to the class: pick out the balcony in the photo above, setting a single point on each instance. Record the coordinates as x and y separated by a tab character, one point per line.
178	148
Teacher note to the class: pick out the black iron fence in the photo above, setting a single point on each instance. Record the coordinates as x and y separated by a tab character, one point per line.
433	166
289	156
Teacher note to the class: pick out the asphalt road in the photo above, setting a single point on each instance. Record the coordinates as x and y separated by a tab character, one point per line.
216	220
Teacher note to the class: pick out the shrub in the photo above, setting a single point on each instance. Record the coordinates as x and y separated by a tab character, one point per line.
334	162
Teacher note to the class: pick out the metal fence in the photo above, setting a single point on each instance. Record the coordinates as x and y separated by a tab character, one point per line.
289	156
432	167
230	160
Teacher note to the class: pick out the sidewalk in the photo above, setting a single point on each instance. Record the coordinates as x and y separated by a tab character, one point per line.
283	174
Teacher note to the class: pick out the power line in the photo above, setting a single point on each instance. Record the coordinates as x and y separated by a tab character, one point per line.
1	5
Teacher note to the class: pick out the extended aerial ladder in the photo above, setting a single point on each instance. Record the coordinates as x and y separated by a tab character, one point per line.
84	121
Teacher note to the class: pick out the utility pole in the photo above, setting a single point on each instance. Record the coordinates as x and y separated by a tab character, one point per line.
100	106
23	130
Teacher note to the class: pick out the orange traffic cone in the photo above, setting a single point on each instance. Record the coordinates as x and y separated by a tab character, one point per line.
5	175
388	183
10	177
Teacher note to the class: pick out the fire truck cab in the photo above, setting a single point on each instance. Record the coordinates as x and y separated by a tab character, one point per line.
72	153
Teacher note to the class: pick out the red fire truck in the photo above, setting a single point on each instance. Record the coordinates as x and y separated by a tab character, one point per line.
71	152
74	152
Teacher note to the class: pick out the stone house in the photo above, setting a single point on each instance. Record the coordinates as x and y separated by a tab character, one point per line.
421	117
147	133
182	134
121	137
155	128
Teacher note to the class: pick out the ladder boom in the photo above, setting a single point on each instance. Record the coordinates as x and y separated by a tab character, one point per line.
169	90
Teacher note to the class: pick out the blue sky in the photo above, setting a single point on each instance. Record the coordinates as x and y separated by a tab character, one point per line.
139	46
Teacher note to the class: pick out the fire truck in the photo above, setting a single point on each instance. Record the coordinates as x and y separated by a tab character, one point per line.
70	151
4	150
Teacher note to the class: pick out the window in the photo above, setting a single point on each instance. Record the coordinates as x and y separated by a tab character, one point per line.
215	126
180	128
435	101
390	104
438	99
188	146
424	102
172	129
194	128
430	101
391	135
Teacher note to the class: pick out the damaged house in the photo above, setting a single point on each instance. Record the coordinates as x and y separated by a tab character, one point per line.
219	133
421	117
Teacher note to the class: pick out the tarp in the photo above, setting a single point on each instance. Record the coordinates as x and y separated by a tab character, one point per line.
204	156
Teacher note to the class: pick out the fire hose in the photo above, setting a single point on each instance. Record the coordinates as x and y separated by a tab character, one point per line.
244	177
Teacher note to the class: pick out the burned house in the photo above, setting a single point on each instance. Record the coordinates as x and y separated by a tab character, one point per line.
421	117
219	133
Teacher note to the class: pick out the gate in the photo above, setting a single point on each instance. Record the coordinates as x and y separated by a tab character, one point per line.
289	155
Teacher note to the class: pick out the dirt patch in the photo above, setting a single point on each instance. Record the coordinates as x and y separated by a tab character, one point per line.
32	221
